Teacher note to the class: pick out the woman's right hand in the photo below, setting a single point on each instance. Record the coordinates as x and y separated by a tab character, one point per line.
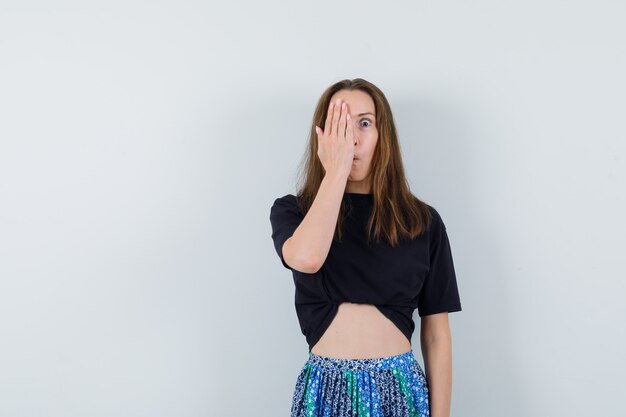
335	144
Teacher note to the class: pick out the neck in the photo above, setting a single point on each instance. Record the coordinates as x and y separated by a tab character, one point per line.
358	187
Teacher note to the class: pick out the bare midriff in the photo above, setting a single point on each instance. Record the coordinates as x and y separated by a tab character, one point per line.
361	331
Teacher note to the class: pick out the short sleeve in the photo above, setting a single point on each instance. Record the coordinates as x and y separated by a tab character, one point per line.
285	217
439	292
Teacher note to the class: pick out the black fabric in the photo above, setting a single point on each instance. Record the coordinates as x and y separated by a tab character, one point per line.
416	274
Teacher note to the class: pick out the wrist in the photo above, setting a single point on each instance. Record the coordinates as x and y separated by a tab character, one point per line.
336	178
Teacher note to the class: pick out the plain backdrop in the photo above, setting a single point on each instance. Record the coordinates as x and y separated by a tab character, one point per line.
142	144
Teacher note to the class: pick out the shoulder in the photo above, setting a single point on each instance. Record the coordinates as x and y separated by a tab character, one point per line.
288	200
437	223
286	204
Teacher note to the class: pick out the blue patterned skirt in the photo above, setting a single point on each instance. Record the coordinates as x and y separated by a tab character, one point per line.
391	386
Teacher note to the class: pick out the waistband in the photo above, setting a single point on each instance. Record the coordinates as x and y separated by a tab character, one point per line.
405	359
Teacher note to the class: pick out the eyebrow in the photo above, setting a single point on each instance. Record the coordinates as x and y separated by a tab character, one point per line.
363	114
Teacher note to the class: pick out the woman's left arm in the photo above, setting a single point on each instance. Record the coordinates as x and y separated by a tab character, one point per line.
436	344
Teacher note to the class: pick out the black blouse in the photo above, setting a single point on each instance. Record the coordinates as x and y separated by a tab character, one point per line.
418	273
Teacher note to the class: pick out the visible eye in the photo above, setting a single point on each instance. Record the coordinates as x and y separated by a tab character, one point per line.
366	120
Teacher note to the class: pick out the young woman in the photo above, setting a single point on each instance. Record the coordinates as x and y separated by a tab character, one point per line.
365	253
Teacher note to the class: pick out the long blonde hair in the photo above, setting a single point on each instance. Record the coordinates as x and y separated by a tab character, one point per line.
396	212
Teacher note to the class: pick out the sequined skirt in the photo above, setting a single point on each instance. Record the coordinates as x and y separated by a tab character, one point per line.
391	386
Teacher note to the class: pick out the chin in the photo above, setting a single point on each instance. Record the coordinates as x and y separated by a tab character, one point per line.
358	177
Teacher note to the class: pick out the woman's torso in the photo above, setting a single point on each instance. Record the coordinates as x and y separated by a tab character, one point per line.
361	331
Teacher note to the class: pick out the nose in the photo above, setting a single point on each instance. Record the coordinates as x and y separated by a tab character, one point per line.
355	135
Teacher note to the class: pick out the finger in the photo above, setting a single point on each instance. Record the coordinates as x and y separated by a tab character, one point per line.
342	121
329	116
333	128
349	131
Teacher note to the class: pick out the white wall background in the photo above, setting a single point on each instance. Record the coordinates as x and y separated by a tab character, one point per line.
142	144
